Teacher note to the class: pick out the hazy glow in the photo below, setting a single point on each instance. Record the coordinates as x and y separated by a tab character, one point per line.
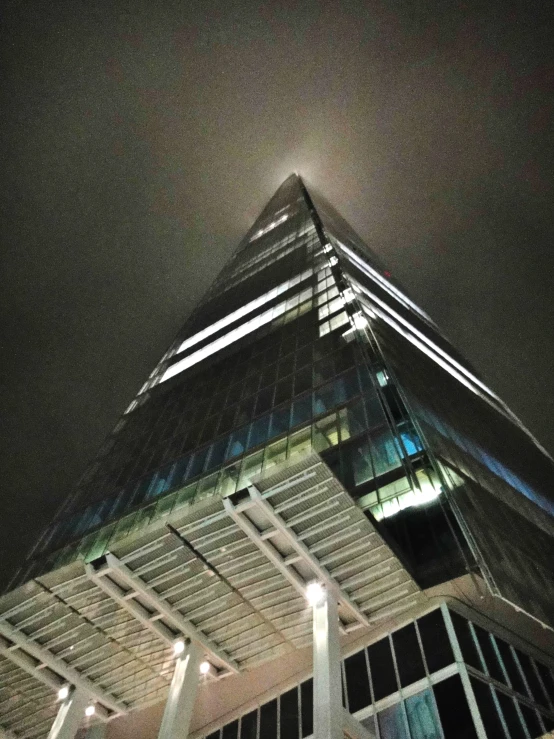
90	711
205	667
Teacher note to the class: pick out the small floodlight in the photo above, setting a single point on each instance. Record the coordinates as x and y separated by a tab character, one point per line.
178	647
205	667
360	321
314	593
90	711
63	692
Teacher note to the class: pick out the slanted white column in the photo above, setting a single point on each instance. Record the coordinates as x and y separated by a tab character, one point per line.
71	715
328	710
182	693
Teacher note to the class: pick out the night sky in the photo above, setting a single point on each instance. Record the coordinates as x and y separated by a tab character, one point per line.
141	139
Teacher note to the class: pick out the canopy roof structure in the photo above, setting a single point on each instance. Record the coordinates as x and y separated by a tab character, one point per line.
227	574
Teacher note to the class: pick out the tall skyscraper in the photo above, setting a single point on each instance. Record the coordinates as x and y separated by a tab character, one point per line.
310	469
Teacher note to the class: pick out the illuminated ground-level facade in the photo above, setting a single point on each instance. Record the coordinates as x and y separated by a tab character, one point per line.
309	426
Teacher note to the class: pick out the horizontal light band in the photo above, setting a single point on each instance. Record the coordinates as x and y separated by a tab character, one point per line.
243	311
234	335
270	227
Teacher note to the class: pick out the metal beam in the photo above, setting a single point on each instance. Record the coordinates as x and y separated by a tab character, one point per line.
124	599
182	624
320	573
68	673
30	665
266	547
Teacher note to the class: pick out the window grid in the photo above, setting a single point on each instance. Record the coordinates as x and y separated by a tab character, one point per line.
401	696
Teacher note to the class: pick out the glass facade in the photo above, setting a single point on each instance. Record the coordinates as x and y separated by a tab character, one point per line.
304	342
410	685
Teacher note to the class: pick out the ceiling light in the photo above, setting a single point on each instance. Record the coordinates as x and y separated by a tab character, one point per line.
360	321
63	692
178	647
315	593
90	711
205	667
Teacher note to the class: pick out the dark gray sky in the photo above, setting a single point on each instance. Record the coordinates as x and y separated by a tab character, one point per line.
140	139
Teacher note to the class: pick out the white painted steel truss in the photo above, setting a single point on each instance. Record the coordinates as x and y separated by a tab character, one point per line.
232	581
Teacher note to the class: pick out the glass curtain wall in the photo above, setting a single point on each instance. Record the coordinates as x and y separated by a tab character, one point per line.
439	677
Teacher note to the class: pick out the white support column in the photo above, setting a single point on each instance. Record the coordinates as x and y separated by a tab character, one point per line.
328	710
182	693
71	715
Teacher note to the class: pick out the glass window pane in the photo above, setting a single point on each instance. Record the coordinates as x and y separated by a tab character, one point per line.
307	699
324	399
280	421
217	453
237	443
303	380
259	431
547	680
300	442
249	726
469	651
453	710
381	665
408	655
283	391
392	723
434	638
289	715
268	720
487	709
301	410
357	681
264	400
326	433
275	453
251	466
489	654
537	692
511	717
197	463
422	716
531	718
231	731
510	666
